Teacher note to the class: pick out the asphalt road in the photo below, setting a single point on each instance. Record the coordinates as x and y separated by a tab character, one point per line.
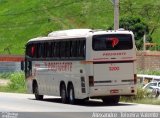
26	106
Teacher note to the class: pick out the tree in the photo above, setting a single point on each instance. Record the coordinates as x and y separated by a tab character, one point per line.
151	14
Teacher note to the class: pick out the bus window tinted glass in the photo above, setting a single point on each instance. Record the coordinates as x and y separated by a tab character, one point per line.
112	42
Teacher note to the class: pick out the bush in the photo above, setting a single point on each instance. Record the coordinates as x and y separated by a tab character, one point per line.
17	81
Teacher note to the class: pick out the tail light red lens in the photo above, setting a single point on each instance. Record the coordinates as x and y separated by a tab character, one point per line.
135	78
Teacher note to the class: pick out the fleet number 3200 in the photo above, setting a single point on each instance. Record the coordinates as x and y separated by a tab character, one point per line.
114	68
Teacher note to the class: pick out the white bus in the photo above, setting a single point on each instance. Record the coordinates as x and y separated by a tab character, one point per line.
82	64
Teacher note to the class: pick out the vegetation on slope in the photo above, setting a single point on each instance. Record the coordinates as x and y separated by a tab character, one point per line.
21	20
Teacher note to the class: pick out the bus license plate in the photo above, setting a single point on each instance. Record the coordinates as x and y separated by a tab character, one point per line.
114	91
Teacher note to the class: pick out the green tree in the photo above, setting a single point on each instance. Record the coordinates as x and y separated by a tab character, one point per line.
151	14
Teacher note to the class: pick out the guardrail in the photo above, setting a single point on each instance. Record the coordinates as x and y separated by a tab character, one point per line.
147	78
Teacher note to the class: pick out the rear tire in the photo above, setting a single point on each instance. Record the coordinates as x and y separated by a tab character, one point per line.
63	94
111	100
36	93
71	96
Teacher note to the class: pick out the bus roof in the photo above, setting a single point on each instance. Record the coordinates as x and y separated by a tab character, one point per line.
71	32
74	33
83	32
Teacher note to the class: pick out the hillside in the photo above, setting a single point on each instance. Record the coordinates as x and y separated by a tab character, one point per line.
21	20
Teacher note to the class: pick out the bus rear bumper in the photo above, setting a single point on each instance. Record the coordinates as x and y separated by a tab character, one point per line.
124	90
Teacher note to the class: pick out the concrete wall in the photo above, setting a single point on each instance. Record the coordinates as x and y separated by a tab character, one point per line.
10	63
10	66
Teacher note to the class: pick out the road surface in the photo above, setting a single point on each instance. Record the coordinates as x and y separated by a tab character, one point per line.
12	102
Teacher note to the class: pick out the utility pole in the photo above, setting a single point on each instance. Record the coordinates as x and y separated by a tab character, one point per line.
144	42
116	14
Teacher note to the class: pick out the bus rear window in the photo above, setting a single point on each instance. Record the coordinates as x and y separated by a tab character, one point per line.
112	42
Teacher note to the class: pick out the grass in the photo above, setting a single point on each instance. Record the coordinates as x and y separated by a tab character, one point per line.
149	72
16	84
153	101
25	19
4	89
148	101
5	75
8	89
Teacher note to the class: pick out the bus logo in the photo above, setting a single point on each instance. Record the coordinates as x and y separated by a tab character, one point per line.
114	40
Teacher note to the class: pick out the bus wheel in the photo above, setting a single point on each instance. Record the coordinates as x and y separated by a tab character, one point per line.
36	92
63	93
111	99
71	96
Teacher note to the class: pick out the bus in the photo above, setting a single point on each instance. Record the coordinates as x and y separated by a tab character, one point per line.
82	64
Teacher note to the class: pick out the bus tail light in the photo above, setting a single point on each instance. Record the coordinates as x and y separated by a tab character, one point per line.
83	85
91	81
135	78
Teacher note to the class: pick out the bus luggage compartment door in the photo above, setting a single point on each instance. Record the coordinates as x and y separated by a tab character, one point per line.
113	73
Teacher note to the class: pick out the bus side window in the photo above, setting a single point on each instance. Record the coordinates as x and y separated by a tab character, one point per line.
78	48
68	49
37	50
82	49
57	49
71	49
62	49
28	48
33	49
42	50
52	49
47	49
74	49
